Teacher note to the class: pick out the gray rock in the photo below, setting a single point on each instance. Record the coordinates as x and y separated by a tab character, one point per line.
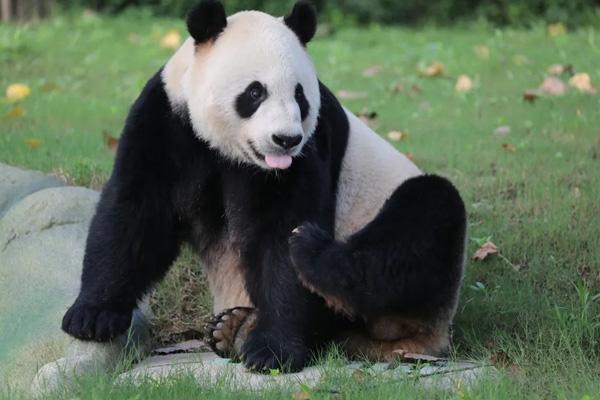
42	242
16	183
209	368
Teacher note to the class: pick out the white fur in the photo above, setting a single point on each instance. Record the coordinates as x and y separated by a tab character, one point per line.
208	78
371	171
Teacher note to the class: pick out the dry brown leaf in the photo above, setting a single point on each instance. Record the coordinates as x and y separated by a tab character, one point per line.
415	90
33	143
372	71
405	356
350	95
530	96
110	141
397	136
582	82
17	91
559	69
171	40
558	29
366	115
485	250
553	86
16	112
434	69
509	147
463	84
396	88
482	52
359	375
302	395
410	156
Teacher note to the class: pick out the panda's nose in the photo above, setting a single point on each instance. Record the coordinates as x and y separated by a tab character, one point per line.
286	141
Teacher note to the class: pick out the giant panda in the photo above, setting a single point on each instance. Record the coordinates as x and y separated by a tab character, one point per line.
312	229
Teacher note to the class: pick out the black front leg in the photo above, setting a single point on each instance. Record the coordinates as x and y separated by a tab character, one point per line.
130	246
288	314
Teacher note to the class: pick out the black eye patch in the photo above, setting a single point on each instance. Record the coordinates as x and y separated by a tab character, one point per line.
302	102
250	99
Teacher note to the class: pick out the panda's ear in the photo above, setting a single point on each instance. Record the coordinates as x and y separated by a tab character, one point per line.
206	20
303	20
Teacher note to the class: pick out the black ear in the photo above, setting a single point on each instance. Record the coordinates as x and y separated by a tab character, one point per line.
206	20
303	20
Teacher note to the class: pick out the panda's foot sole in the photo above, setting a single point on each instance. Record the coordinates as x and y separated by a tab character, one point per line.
226	332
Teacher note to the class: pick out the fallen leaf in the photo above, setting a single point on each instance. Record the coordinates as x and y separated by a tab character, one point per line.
396	88
33	143
582	82
530	96
410	156
509	147
359	375
434	69
553	86
416	357
500	359
171	40
502	131
110	141
559	69
397	136
301	396
415	90
368	117
558	29
485	250
16	112
17	91
482	52
350	95
372	71
463	84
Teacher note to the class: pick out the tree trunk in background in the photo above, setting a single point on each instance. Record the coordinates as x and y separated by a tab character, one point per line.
24	10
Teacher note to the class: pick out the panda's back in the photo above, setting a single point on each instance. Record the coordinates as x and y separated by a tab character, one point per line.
371	170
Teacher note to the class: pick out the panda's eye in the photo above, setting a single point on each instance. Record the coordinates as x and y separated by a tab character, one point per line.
299	92
256	91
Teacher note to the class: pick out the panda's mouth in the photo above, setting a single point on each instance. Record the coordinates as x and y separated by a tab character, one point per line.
275	161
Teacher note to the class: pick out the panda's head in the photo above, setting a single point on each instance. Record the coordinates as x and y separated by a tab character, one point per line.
248	83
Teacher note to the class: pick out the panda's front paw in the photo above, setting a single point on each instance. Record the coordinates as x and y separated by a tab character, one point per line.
263	353
307	242
100	324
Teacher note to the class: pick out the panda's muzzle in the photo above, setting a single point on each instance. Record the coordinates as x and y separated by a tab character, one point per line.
286	142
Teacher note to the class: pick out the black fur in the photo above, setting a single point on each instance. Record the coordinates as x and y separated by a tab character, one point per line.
303	21
206	20
168	187
407	261
302	102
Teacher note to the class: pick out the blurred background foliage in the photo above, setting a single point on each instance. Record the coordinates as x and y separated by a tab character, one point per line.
407	12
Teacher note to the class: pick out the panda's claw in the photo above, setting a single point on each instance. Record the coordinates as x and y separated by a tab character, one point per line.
221	330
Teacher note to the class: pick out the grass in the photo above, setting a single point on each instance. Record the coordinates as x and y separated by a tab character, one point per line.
534	310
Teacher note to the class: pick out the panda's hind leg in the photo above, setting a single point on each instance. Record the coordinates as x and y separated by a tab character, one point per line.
407	261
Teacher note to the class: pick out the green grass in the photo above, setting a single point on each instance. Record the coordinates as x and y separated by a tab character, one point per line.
536	307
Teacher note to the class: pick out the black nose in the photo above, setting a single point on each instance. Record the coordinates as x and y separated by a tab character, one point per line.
287	142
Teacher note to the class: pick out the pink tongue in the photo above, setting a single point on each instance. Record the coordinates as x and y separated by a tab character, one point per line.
279	162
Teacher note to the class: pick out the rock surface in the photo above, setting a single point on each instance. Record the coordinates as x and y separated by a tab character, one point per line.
207	367
43	228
